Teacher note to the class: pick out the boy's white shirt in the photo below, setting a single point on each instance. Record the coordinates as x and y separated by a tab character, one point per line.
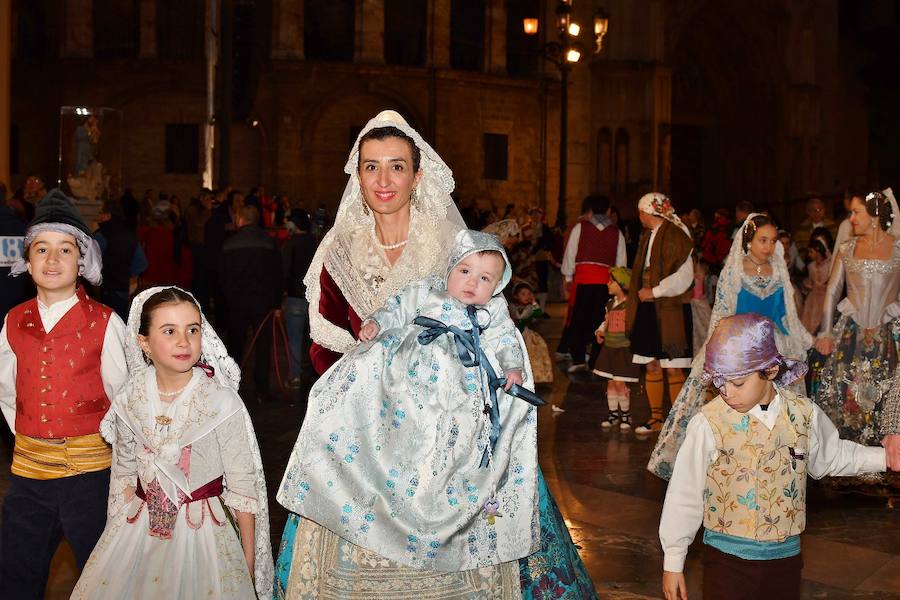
682	514
113	369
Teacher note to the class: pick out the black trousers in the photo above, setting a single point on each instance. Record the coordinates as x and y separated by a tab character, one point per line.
36	515
727	577
238	322
587	314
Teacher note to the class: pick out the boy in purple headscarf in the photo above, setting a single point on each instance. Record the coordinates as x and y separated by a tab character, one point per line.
742	469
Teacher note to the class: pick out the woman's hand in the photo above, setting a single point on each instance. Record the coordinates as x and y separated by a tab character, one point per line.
825	345
368	331
674	586
129	494
645	294
512	377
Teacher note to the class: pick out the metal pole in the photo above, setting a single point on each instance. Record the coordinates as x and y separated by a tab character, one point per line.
209	131
563	143
226	78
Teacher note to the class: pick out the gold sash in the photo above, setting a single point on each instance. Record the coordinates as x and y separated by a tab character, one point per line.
36	458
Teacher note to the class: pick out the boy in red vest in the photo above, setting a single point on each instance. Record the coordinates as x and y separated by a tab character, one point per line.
62	360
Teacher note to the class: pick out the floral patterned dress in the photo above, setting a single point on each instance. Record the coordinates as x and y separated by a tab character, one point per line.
852	385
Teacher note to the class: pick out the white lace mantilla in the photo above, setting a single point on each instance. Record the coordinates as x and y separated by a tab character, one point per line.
350	251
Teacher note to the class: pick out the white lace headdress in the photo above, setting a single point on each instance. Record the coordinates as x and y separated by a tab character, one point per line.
350	251
212	349
228	374
894	228
729	286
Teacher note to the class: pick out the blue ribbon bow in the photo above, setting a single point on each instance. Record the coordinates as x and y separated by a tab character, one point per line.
468	348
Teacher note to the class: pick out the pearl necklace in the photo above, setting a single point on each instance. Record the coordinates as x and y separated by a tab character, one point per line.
170	394
392	246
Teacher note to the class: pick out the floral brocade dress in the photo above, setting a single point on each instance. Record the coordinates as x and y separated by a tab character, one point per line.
854	381
317	562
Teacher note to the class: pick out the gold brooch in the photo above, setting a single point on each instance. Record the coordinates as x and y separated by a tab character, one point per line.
163	420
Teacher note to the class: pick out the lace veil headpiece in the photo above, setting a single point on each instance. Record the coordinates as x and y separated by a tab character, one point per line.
350	250
729	286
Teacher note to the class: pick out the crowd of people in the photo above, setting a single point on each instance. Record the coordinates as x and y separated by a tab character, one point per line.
416	467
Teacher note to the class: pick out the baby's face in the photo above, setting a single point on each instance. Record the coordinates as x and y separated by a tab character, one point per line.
475	278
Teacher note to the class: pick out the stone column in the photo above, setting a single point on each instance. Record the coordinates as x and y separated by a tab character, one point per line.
287	29
5	69
78	25
147	30
439	34
369	32
495	37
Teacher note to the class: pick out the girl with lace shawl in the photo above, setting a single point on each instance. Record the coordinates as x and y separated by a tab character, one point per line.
754	279
188	511
854	385
391	231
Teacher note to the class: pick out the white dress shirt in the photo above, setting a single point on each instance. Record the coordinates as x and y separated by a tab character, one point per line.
113	369
682	513
568	262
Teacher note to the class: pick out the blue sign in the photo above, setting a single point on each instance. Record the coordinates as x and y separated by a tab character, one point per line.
10	250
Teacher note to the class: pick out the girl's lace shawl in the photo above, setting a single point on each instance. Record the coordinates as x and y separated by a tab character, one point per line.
227	374
350	250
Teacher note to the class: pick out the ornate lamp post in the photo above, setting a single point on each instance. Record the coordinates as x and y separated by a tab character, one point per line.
564	53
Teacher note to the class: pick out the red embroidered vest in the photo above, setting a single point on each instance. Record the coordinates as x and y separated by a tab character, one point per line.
597	246
59	392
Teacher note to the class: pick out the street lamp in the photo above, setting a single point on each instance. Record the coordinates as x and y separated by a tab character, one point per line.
564	53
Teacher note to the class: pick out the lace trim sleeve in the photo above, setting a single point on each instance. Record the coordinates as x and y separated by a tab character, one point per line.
240	502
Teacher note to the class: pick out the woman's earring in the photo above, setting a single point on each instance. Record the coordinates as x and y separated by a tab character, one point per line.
364	206
414	198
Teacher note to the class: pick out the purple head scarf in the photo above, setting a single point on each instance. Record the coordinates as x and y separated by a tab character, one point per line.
745	344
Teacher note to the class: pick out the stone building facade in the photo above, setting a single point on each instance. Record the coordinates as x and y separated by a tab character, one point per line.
714	102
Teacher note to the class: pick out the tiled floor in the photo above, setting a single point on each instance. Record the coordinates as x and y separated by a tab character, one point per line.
612	504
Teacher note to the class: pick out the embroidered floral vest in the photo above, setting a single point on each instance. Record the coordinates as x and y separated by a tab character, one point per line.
756	487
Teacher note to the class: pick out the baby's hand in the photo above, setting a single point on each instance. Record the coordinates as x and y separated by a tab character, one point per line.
368	331
129	494
513	377
599	334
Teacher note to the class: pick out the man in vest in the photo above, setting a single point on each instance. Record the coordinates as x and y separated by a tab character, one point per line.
595	245
741	471
62	360
658	318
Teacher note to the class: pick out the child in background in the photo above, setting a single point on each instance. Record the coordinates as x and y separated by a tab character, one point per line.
819	270
701	311
741	471
615	359
525	310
